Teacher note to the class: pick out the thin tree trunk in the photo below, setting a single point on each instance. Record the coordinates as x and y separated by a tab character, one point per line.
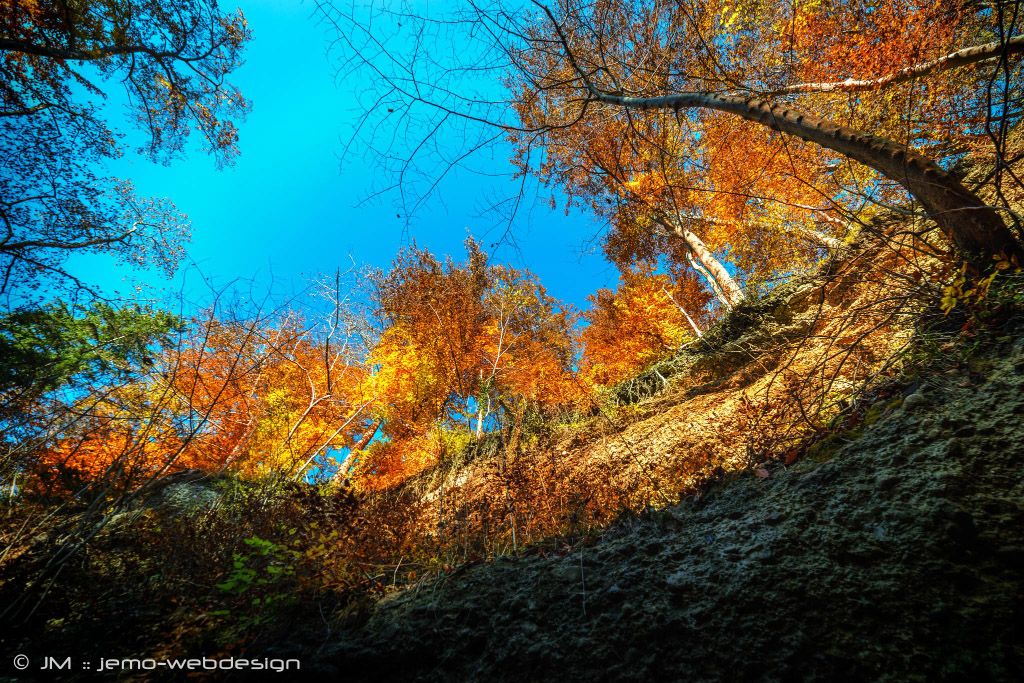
368	435
480	422
327	443
363	442
682	310
953	60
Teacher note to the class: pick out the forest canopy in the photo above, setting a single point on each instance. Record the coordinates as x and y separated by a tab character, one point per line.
686	129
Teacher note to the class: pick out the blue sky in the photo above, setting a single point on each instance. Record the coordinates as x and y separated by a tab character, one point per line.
288	210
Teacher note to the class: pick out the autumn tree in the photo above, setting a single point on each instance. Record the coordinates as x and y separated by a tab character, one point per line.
460	343
638	85
699	69
766	199
113	399
648	316
56	356
271	397
702	198
55	60
527	346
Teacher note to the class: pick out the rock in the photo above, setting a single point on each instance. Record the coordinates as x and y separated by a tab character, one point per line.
188	497
678	581
569	571
915	401
183	492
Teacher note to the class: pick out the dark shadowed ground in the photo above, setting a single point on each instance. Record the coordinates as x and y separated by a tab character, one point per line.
896	556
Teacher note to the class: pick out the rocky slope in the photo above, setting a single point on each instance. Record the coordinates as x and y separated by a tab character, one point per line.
895	553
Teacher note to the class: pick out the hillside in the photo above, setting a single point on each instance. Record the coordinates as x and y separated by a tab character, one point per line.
896	555
825	486
777	374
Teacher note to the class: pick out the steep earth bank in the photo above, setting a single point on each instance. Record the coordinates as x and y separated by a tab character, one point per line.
898	555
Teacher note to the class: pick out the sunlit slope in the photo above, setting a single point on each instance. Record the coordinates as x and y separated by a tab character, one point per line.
894	556
761	386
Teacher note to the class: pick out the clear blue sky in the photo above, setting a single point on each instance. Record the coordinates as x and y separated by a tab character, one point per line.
289	210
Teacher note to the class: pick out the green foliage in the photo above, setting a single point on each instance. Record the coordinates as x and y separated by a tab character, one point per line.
454	440
260	581
46	348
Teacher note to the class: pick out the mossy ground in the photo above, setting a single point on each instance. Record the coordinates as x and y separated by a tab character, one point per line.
895	552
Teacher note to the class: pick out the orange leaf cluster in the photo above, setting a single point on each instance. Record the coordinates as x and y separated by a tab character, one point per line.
639	323
461	345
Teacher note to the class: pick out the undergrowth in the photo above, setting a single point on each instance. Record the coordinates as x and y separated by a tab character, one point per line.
239	574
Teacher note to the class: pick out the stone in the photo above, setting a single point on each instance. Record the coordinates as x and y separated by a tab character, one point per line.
915	401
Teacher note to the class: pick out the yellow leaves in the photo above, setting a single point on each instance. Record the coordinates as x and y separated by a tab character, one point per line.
954	291
636	183
162	82
730	15
735	14
235	27
635	325
647	188
950	295
459	340
407	379
966	289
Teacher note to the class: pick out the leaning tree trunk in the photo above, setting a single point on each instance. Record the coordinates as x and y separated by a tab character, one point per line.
728	289
715	289
363	442
820	238
974	227
367	436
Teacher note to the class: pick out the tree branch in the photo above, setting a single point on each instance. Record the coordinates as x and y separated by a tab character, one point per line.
954	60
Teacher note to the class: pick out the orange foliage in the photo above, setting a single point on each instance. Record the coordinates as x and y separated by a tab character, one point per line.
461	343
269	399
121	441
859	39
637	324
253	398
388	463
767	202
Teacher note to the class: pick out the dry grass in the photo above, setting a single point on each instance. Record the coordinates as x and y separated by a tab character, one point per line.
774	375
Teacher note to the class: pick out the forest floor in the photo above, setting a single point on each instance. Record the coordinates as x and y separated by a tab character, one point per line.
897	555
